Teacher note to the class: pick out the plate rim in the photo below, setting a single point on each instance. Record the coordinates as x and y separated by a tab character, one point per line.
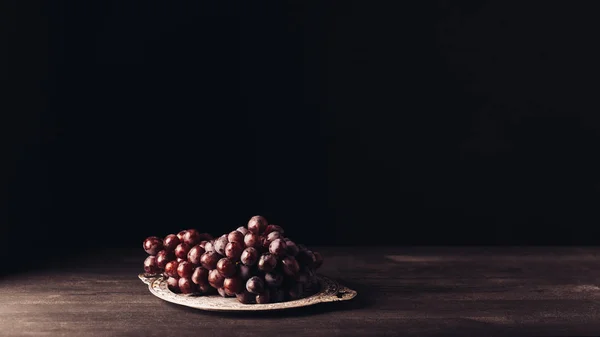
330	291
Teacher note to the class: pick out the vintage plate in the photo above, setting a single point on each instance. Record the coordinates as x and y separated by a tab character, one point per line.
331	291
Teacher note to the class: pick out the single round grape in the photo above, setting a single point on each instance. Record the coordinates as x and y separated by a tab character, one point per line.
191	237
278	247
236	236
163	257
290	266
180	235
195	254
170	242
318	260
226	267
257	224
273	228
274	235
251	240
209	260
220	245
263	298
150	265
292	249
242	230
277	295
186	285
215	278
244	272
209	246
306	258
185	269
224	293
204	288
273	279
233	285
182	250
255	285
267	262
173	284
200	275
249	256
171	269
245	297
202	244
152	245
233	251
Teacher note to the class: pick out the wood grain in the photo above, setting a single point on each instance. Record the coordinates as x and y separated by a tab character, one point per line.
402	291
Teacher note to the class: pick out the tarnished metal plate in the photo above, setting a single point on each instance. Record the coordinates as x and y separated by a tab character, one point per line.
330	291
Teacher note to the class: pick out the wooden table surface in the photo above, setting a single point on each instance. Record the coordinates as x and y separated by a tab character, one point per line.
425	291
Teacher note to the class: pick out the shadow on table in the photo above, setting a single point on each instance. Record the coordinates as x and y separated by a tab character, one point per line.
362	300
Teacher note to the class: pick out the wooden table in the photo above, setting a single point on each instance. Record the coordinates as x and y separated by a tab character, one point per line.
402	291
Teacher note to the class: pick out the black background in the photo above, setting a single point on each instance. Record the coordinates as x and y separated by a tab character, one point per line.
350	122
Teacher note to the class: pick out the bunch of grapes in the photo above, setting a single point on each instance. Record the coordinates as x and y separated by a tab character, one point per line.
255	264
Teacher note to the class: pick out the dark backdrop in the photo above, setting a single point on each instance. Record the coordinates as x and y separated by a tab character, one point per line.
350	122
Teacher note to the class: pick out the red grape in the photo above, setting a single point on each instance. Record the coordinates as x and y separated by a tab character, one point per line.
251	240
273	279
179	260
182	250
150	265
205	288
152	245
180	236
257	224
245	297
173	284
263	298
292	249
233	285
191	237
185	269
195	254
202	244
295	291
233	251
220	244
255	285
249	256
163	257
278	247
226	267
171	269
170	242
267	262
209	260
209	246
274	235
224	293
186	285
273	228
290	266
200	275
244	272
236	236
215	278
242	230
